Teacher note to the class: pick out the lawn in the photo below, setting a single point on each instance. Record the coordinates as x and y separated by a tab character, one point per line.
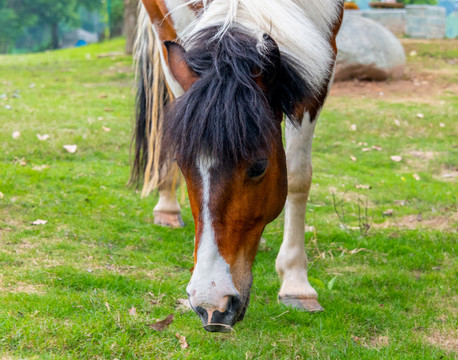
92	281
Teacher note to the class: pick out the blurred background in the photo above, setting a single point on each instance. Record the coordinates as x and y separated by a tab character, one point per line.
38	25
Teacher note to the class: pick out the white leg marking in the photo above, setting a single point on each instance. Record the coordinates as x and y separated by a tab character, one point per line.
167	202
211	281
292	261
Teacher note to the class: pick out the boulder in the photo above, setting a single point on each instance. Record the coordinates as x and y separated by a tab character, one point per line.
367	51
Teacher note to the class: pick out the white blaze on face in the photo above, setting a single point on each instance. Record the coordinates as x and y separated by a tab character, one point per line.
211	281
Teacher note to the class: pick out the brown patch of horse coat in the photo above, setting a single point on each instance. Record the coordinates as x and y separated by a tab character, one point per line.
157	11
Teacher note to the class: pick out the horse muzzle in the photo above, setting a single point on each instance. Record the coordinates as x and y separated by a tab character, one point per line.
221	320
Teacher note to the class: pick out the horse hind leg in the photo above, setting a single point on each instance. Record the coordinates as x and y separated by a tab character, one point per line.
167	211
153	94
291	263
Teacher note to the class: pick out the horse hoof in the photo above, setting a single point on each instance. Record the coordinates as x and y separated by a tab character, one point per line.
168	219
301	303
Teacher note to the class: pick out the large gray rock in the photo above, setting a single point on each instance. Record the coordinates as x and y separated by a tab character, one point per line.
367	51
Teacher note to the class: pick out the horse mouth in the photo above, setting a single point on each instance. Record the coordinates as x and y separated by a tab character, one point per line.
222	328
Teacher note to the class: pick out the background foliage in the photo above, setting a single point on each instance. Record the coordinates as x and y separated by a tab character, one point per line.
34	25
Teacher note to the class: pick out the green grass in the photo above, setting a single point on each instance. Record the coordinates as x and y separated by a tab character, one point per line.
66	287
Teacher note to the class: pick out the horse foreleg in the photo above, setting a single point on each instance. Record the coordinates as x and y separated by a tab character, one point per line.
167	212
291	263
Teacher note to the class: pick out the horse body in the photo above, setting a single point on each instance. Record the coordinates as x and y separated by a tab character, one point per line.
235	67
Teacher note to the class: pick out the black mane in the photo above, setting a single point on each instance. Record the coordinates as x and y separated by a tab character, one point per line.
226	114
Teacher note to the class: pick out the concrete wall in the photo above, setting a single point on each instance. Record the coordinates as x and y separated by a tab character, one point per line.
417	21
425	22
393	19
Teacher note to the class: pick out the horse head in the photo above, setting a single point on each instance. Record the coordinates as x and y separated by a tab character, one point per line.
225	134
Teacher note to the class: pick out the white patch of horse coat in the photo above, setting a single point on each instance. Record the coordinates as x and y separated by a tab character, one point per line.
181	15
211	280
291	263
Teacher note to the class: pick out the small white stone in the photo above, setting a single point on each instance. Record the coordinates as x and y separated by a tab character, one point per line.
39	222
43	137
71	148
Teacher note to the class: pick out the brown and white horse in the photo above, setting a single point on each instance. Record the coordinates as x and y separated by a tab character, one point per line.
215	79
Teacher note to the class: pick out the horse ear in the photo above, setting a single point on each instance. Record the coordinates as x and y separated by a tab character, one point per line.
272	60
176	60
282	76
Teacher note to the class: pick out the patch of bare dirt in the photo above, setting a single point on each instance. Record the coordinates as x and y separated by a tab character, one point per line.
418	90
424	80
444	339
420	159
447	174
21	287
412	222
376	342
350	196
423	155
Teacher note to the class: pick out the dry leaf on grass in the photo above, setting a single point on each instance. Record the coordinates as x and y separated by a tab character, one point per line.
16	134
388	212
366	149
133	312
1	195
106	129
40	167
420	115
102	96
396	158
182	340
161	325
353	158
107	306
183	304
39	222
364	187
21	161
71	148
376	147
43	137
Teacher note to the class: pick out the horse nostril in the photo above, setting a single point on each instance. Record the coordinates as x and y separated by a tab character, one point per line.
233	304
202	314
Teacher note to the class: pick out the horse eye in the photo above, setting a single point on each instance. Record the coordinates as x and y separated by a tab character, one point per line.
257	169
